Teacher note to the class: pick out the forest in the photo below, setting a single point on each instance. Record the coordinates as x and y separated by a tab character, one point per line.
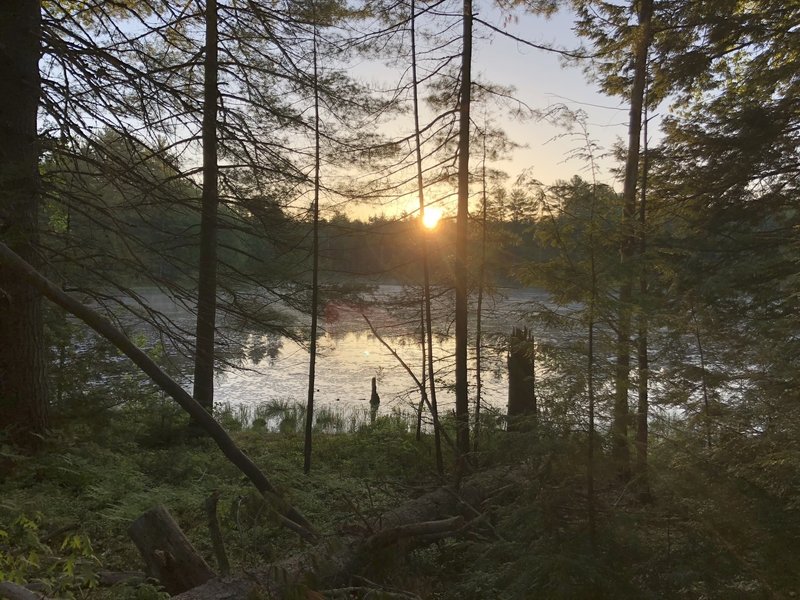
265	166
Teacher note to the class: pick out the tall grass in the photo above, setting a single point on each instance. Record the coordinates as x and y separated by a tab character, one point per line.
288	416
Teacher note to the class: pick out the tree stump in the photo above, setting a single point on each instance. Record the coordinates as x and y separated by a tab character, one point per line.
521	379
168	554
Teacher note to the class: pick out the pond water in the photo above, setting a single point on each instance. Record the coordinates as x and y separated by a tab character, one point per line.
350	355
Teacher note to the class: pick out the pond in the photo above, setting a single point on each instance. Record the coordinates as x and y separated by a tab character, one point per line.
350	354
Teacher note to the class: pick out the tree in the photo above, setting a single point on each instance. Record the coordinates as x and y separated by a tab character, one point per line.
735	105
315	259
641	49
207	280
289	516
462	216
620	63
23	388
427	321
643	359
582	270
146	106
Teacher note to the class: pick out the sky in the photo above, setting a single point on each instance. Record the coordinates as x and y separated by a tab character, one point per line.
541	81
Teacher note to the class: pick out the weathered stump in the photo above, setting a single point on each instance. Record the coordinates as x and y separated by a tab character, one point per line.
521	379
168	554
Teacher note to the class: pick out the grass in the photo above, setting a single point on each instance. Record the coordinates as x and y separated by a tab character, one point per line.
96	481
288	416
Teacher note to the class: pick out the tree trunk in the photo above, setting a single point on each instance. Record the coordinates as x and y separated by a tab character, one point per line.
312	359
23	388
207	274
462	217
643	407
703	380
590	393
426	276
619	426
12	591
479	307
168	554
215	533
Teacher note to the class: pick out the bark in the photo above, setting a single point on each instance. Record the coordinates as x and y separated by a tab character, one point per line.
289	516
423	398
168	554
462	217
619	426
331	565
207	274
23	389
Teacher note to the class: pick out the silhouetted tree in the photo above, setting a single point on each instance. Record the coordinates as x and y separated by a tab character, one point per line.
23	389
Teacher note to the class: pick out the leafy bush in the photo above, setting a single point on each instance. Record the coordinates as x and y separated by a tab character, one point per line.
26	557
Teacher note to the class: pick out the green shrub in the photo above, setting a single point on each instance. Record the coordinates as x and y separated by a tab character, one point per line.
26	557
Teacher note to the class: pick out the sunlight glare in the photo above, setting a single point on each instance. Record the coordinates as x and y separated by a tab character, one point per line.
433	215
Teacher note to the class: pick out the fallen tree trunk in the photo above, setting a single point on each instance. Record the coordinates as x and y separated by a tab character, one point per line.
12	591
289	516
331	565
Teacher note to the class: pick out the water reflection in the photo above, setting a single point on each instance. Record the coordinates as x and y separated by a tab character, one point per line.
349	357
275	368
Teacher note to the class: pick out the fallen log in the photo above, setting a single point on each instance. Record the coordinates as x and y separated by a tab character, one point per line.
288	515
12	591
334	563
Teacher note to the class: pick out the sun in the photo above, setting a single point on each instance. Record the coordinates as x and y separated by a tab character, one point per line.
433	215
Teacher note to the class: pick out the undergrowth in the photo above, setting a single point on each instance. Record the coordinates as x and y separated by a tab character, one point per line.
88	484
720	526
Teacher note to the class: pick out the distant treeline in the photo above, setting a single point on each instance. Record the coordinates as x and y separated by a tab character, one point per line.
157	239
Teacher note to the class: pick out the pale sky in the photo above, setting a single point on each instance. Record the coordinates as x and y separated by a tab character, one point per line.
541	81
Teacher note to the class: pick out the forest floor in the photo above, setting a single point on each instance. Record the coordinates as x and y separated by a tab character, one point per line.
65	513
